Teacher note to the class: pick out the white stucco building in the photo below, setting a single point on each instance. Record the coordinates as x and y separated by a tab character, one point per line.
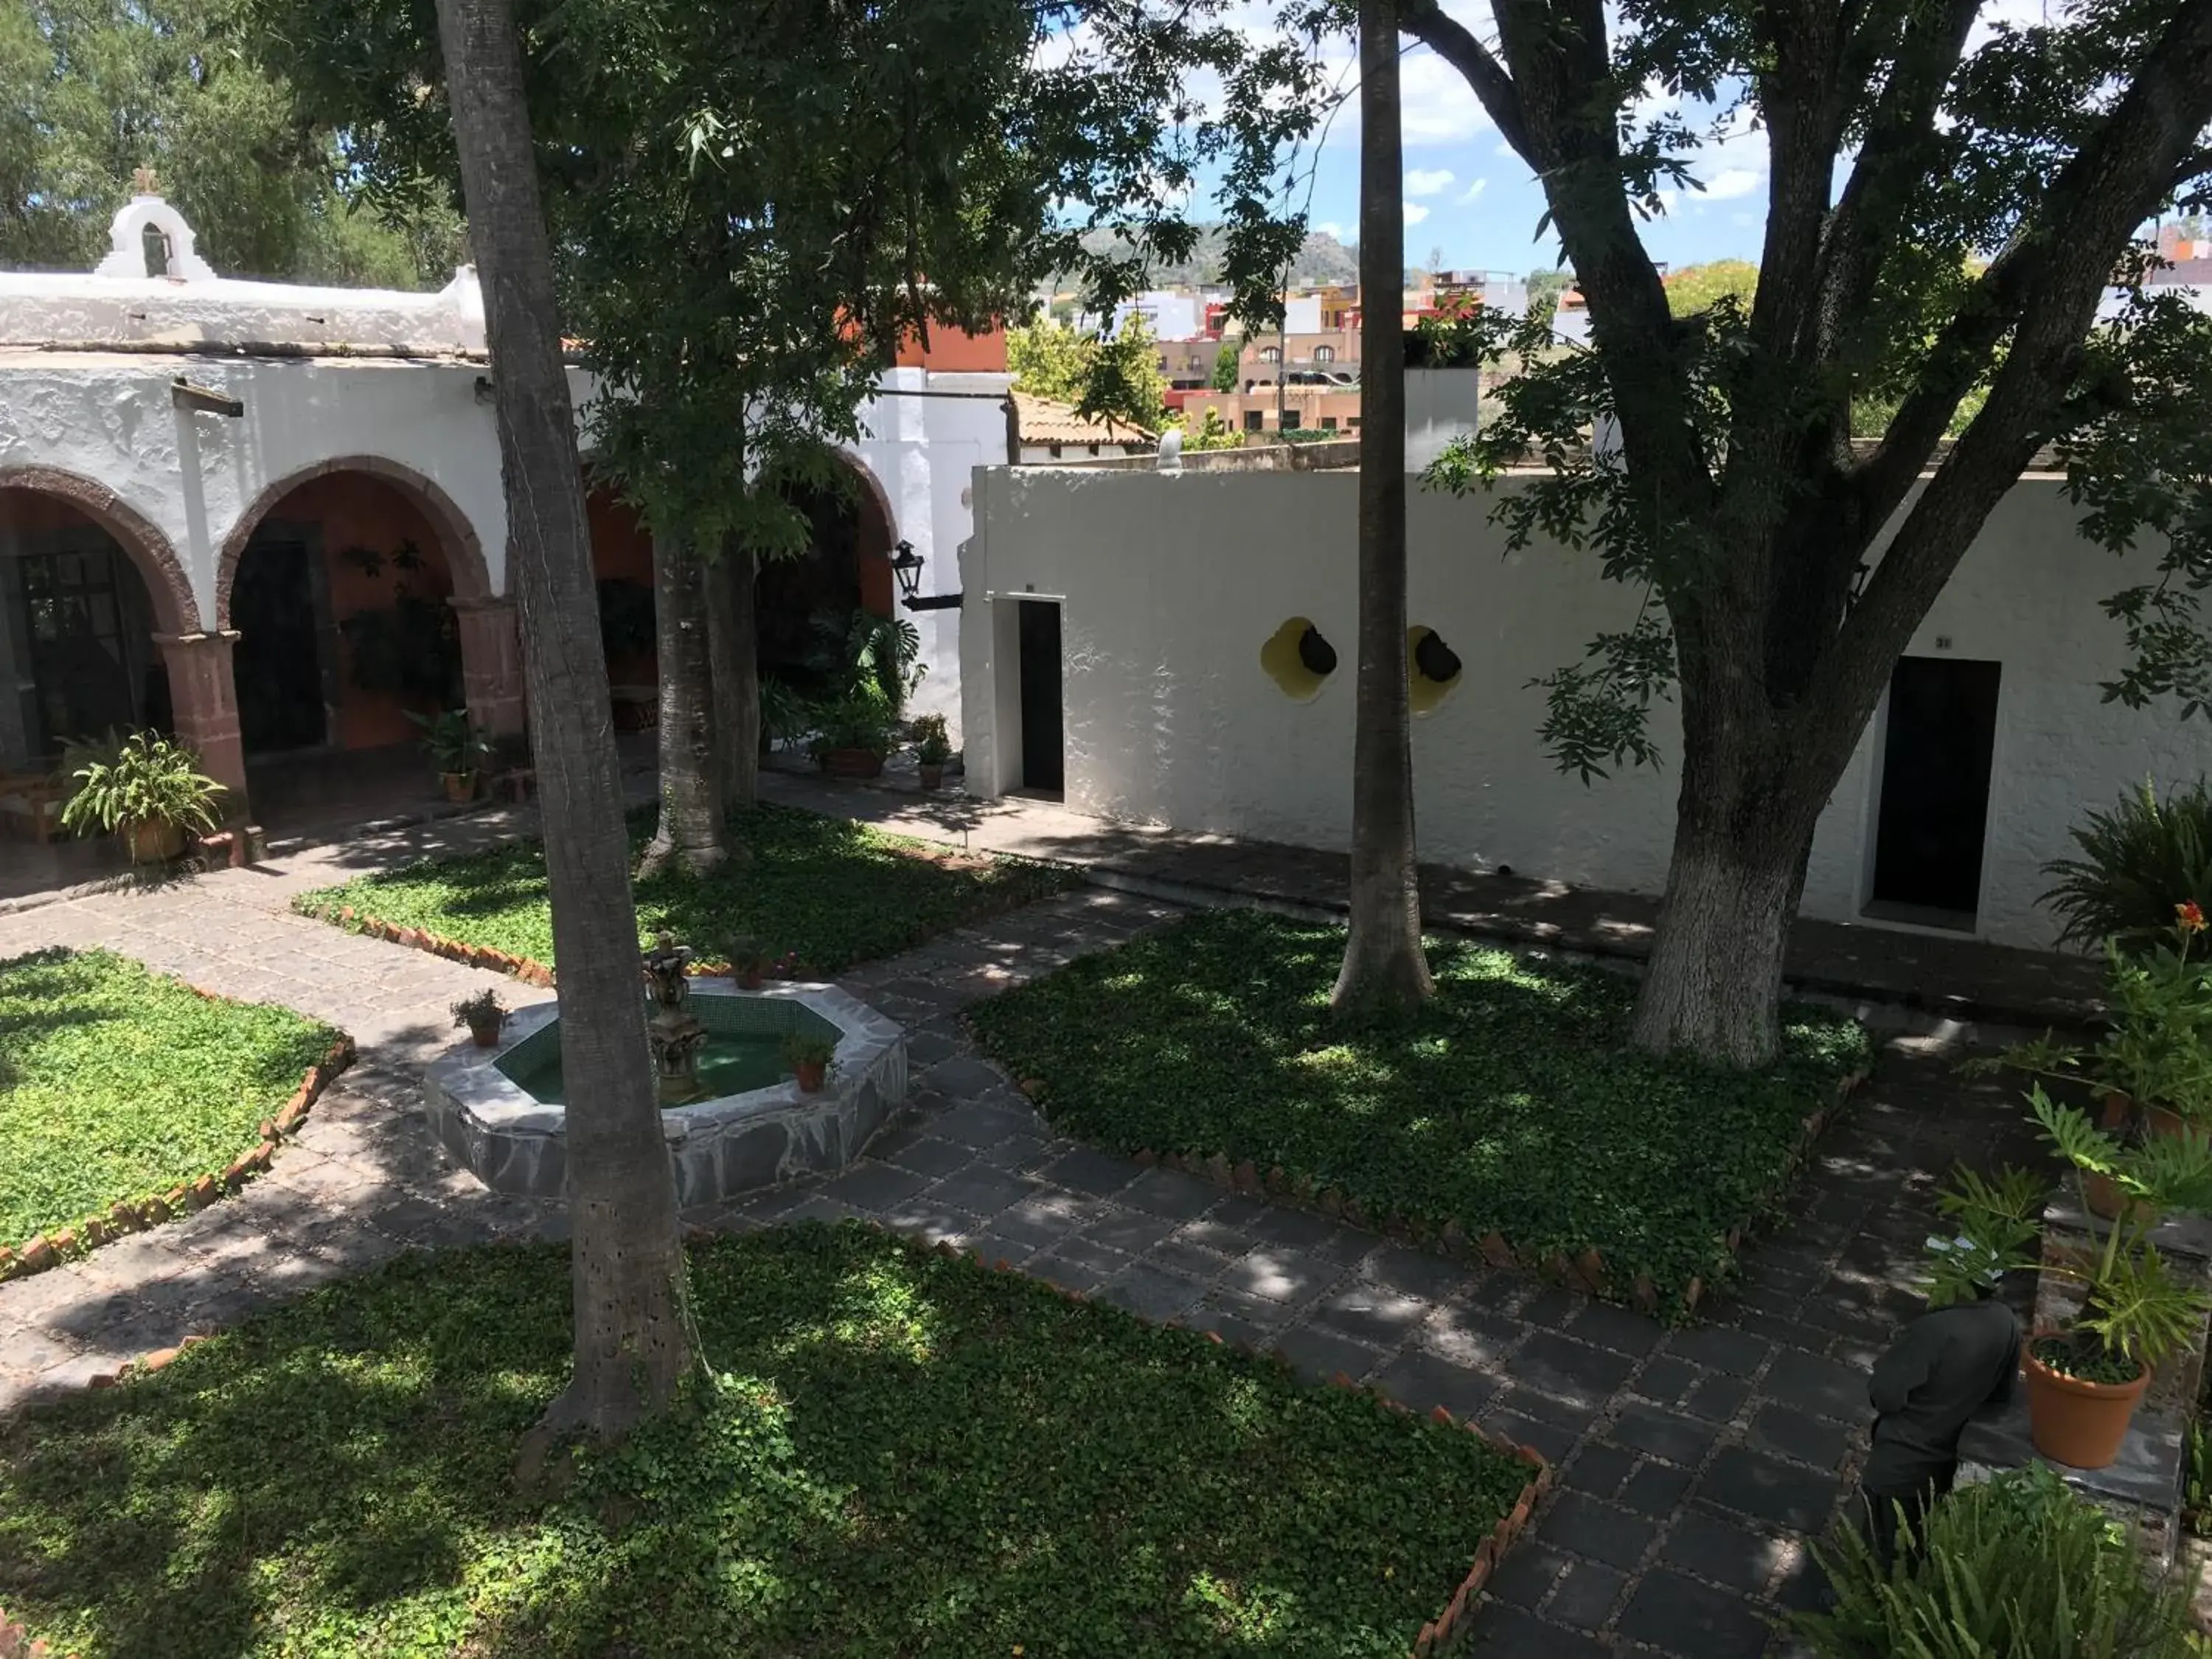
160	433
1132	639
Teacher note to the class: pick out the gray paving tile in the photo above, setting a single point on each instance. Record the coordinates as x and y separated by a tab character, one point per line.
1086	1169
1319	1355
1151	1293
1678	1615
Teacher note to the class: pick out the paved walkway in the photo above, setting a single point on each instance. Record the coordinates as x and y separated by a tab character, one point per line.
1692	1461
1958	977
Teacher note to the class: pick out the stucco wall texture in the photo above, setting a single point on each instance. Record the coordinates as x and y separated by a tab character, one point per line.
1171	585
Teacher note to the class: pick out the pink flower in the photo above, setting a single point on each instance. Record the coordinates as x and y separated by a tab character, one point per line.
2191	915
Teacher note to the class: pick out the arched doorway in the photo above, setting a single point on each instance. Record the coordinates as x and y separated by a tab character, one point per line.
339	584
845	568
79	654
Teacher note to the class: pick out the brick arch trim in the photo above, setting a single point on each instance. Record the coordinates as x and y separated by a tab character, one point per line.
878	587
167	585
458	537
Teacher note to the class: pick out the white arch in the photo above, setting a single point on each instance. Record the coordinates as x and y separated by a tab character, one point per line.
126	243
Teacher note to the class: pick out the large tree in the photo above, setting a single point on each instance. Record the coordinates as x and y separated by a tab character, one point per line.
633	1336
99	88
1384	968
1903	138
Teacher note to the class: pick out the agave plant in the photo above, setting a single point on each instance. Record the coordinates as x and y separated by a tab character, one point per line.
2137	861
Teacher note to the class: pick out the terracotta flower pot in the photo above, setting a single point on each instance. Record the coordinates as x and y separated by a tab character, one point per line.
2163	1121
486	1032
460	787
751	979
2104	1198
852	763
153	844
2114	1117
933	776
2079	1423
811	1076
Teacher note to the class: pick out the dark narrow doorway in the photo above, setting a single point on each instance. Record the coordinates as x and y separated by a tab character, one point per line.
1043	769
1935	791
277	662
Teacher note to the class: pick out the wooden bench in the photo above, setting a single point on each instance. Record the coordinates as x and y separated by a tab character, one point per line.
35	799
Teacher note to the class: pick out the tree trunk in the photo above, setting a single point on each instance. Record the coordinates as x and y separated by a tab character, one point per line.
633	1339
1384	968
690	829
734	632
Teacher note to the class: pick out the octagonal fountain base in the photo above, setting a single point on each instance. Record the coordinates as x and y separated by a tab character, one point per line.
718	1148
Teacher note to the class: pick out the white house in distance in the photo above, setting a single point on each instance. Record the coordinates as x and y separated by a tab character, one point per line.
1138	641
223	502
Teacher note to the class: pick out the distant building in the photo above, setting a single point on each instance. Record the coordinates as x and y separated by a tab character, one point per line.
1052	431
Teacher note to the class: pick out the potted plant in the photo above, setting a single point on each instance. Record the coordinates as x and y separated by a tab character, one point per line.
853	734
749	963
149	791
2085	1376
484	1014
932	747
456	747
2153	1064
810	1059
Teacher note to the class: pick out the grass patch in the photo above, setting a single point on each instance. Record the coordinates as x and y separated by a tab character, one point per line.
1508	1105
116	1084
908	1456
832	891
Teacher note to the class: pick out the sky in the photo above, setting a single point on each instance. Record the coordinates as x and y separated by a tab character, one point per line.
1472	204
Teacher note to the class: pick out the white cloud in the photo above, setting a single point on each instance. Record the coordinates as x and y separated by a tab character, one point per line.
1731	181
1427	181
1328	227
1415	213
1506	150
1473	192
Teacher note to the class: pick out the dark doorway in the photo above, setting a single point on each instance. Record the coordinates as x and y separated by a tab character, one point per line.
1043	769
279	658
1935	791
82	623
799	595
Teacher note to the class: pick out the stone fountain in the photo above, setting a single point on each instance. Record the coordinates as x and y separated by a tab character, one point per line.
674	1032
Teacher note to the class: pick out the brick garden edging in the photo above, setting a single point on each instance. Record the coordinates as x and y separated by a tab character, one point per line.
1586	1272
126	1217
15	1642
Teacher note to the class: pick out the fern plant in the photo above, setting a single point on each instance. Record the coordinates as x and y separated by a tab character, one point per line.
2137	861
147	780
2017	1567
2135	1313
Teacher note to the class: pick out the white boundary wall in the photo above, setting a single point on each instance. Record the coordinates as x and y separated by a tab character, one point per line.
1169	585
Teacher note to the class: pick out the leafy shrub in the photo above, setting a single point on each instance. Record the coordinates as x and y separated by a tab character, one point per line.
2015	1567
410	649
862	720
148	779
2138	861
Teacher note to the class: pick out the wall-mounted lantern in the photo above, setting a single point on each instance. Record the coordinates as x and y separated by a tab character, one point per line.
906	566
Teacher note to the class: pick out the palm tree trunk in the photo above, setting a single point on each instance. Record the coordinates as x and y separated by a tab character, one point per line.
690	828
1384	969
634	1341
733	635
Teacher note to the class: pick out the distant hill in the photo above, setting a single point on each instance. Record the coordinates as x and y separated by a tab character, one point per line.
1323	260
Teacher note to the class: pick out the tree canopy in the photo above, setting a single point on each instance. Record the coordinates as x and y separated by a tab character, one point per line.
99	88
1118	377
1699	288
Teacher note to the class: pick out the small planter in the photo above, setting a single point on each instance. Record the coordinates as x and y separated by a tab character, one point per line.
852	763
751	978
933	776
2107	1202
460	787
485	1033
2161	1122
153	844
2078	1424
811	1075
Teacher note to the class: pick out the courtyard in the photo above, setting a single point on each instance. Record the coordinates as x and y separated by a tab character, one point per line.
1694	1458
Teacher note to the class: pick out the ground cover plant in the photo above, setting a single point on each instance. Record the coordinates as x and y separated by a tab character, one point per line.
1509	1105
116	1084
907	1453
826	891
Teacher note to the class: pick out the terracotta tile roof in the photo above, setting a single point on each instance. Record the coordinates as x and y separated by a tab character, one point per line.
1045	422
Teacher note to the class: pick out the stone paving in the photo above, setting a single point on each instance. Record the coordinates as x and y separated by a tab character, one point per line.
1693	1462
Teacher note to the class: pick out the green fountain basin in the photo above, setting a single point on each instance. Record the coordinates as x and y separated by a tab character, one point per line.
744	1050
